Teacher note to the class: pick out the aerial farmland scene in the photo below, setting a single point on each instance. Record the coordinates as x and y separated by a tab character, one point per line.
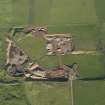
52	52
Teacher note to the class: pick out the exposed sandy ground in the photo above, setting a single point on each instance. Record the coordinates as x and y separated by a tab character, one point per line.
84	52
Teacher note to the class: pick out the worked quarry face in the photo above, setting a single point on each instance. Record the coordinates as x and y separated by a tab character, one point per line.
14	54
59	43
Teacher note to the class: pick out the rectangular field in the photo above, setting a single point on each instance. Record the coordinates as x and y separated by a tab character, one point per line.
54	12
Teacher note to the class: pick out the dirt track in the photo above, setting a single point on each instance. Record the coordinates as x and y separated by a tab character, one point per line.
84	52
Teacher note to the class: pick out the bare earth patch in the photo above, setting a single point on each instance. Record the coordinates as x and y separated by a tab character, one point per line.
84	52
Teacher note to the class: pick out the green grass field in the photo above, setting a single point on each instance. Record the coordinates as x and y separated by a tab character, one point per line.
43	93
89	92
12	95
56	11
85	20
80	18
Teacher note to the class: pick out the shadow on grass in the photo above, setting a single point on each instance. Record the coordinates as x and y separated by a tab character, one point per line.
92	78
